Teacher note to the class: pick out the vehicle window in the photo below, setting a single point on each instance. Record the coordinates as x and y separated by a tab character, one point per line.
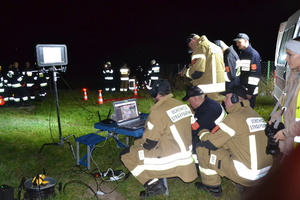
287	35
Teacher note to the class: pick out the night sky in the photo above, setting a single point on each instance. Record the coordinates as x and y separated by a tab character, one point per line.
134	31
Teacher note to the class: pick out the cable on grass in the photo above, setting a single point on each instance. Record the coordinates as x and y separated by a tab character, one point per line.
81	183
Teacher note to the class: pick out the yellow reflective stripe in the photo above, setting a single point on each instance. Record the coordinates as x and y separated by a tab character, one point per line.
214	87
160	167
198	56
206	171
214	69
188	73
253	152
177	138
227	129
222	115
249	174
150	126
202	134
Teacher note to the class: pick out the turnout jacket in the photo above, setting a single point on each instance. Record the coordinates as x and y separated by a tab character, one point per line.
207	67
165	149
241	133
250	69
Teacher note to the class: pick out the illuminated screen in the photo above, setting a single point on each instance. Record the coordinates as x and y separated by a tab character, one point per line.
51	55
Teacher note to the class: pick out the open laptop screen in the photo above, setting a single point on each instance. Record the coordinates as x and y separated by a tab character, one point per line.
126	110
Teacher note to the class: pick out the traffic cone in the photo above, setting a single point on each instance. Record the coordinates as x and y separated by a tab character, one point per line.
85	97
2	102
135	90
100	100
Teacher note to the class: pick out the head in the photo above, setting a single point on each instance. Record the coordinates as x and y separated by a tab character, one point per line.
160	89
192	41
27	64
16	65
195	96
234	95
242	41
153	62
221	44
293	53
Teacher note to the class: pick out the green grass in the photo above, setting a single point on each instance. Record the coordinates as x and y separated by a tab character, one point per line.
23	131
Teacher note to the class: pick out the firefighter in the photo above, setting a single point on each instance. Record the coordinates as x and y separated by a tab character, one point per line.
17	84
153	73
235	148
165	149
124	78
206	69
207	112
250	66
42	80
29	77
231	60
108	73
3	92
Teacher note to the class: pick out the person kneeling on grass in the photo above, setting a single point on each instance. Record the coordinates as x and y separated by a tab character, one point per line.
165	149
235	148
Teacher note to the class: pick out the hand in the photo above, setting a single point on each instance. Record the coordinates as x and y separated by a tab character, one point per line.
180	73
249	96
279	136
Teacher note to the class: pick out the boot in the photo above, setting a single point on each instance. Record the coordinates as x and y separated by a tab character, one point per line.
154	189
214	190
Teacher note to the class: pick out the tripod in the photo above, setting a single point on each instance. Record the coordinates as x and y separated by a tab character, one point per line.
62	140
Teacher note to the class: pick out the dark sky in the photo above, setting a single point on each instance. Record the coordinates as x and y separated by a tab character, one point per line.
134	31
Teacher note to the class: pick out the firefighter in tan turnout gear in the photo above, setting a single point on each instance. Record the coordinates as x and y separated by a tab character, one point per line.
165	149
206	69
235	148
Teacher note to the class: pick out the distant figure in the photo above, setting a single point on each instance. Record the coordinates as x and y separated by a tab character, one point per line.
153	73
140	76
206	69
124	76
16	81
30	77
108	72
250	67
232	70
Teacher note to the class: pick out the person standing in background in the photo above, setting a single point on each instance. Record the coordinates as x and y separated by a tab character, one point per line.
206	69
250	67
124	78
231	59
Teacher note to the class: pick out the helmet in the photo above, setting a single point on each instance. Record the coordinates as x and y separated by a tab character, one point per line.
189	39
153	62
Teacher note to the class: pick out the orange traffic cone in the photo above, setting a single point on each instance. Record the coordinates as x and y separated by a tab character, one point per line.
85	97
135	90
100	100
2	102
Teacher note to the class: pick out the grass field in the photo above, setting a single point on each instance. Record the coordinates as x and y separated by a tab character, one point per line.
24	130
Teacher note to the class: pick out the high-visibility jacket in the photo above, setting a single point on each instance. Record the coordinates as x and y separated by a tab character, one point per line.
236	148
250	67
165	149
207	67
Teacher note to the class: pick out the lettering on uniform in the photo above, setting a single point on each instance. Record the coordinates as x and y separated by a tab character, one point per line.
179	112
256	124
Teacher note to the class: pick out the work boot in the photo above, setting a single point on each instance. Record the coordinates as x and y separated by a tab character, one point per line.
214	190
154	189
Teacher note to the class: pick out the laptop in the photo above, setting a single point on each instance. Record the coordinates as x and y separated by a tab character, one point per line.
127	114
